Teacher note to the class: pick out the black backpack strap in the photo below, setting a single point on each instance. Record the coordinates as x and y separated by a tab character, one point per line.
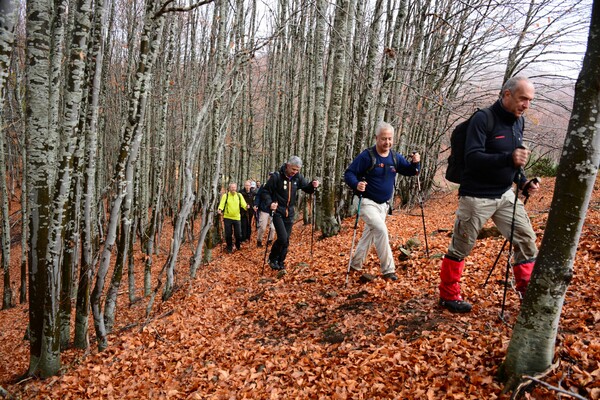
490	119
373	161
226	198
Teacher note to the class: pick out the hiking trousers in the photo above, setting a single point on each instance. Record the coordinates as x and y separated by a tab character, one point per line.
236	227
474	212
263	220
246	221
374	233
283	227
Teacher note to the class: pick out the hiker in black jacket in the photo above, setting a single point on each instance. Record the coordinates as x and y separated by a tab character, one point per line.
494	160
247	214
280	192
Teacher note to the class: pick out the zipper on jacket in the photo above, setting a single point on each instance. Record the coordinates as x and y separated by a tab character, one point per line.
289	197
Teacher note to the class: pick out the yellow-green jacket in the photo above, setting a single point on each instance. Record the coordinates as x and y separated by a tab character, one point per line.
234	202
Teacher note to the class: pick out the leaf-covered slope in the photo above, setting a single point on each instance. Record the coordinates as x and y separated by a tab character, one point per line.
233	333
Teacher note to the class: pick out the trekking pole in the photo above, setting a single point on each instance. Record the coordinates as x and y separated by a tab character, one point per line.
526	194
262	272
353	237
511	247
312	233
422	213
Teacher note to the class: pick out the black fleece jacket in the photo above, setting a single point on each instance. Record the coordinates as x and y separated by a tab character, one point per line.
489	169
284	191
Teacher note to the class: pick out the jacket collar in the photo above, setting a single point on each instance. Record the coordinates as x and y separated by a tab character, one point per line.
503	113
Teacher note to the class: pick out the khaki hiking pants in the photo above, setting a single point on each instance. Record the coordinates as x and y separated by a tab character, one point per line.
375	232
473	213
263	221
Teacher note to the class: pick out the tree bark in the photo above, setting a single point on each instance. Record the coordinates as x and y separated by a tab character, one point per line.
8	17
8	20
44	49
7	297
330	224
90	132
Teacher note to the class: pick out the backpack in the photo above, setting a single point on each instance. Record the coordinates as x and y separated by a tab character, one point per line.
257	197
458	138
374	162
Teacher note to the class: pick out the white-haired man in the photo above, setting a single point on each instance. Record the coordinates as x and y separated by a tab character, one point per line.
280	192
372	175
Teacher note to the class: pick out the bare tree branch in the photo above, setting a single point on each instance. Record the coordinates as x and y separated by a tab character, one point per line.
164	9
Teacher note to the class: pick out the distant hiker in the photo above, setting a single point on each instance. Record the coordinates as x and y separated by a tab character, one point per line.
263	217
230	205
280	193
493	161
247	215
372	175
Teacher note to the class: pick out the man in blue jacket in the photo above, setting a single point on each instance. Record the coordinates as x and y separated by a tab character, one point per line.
280	192
372	174
493	162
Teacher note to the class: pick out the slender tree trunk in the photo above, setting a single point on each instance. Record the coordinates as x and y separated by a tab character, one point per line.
330	225
364	129
8	17
7	298
219	133
158	170
318	131
89	233
189	165
531	347
150	43
24	232
131	262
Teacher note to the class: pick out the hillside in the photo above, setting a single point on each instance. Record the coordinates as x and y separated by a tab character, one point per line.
236	333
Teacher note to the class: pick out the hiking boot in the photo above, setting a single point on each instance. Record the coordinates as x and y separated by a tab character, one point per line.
456	306
274	265
259	244
229	250
390	276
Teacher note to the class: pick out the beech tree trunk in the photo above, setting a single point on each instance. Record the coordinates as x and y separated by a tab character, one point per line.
132	135
7	297
531	348
8	15
330	225
89	198
44	48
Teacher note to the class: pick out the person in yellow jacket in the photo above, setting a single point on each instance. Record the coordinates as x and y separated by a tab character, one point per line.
230	205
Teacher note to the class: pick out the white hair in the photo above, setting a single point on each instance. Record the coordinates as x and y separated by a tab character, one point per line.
383	126
295	160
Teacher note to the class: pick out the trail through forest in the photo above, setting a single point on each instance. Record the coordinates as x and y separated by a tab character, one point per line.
235	333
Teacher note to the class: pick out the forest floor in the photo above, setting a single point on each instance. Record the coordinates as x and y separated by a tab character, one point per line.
235	333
